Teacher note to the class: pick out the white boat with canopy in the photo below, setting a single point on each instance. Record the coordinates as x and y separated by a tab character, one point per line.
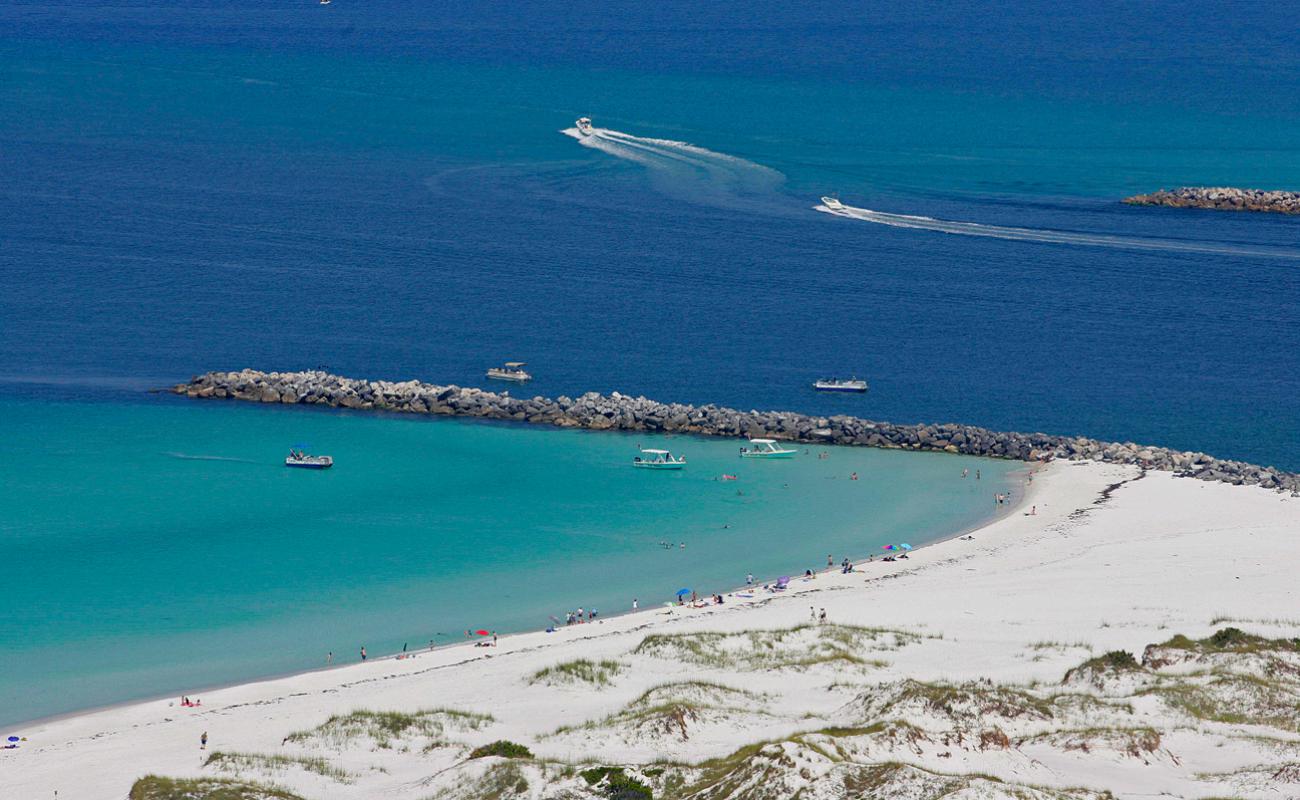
511	371
584	126
658	459
841	385
766	448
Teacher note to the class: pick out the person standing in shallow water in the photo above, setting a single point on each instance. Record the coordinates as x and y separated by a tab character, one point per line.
363	653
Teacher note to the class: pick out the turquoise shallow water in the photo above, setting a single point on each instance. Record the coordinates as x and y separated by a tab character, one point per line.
157	547
382	188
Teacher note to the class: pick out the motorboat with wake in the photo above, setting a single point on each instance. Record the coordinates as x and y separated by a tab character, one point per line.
511	371
766	448
840	385
658	459
584	126
833	203
302	460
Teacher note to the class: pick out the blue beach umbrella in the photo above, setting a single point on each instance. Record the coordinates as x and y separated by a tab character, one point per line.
681	592
905	546
13	738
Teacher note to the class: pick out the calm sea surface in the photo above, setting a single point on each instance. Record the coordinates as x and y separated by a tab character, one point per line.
386	189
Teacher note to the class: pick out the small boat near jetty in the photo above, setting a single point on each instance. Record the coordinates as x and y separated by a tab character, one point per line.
511	371
840	385
833	203
766	448
584	126
658	459
302	460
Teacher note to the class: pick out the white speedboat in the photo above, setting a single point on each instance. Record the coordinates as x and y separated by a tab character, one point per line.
511	371
766	448
584	126
301	460
840	385
658	459
833	203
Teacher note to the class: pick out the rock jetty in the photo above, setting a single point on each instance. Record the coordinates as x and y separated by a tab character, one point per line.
1221	198
620	412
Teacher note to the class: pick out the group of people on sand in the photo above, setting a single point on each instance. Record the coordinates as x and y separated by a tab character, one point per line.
186	702
576	617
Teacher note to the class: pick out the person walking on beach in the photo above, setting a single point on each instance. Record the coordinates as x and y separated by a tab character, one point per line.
822	617
830	561
812	613
203	741
363	653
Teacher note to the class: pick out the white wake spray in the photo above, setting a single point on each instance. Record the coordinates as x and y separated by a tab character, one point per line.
686	170
1048	236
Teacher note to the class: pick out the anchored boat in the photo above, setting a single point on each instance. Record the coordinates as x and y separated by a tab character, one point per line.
766	448
584	126
658	459
511	371
840	385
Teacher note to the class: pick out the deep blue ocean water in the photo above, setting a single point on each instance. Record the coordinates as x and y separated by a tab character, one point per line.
383	188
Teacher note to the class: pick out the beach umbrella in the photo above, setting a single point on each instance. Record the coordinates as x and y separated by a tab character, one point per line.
681	592
13	738
889	547
482	632
905	546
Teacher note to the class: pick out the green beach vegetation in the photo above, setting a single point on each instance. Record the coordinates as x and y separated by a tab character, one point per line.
582	670
154	787
384	727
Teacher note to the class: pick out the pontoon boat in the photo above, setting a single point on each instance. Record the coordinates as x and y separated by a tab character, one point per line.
658	459
840	385
765	448
512	371
301	460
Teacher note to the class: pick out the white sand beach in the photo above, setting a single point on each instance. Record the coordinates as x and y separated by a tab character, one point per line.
942	675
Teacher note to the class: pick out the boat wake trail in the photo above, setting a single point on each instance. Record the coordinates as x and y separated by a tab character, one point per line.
1048	236
189	457
685	170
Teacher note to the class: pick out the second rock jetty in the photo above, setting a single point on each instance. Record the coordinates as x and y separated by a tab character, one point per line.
1221	198
617	411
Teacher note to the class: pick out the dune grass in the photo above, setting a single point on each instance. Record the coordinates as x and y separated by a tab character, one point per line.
503	749
582	670
501	781
275	762
384	727
802	646
156	787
